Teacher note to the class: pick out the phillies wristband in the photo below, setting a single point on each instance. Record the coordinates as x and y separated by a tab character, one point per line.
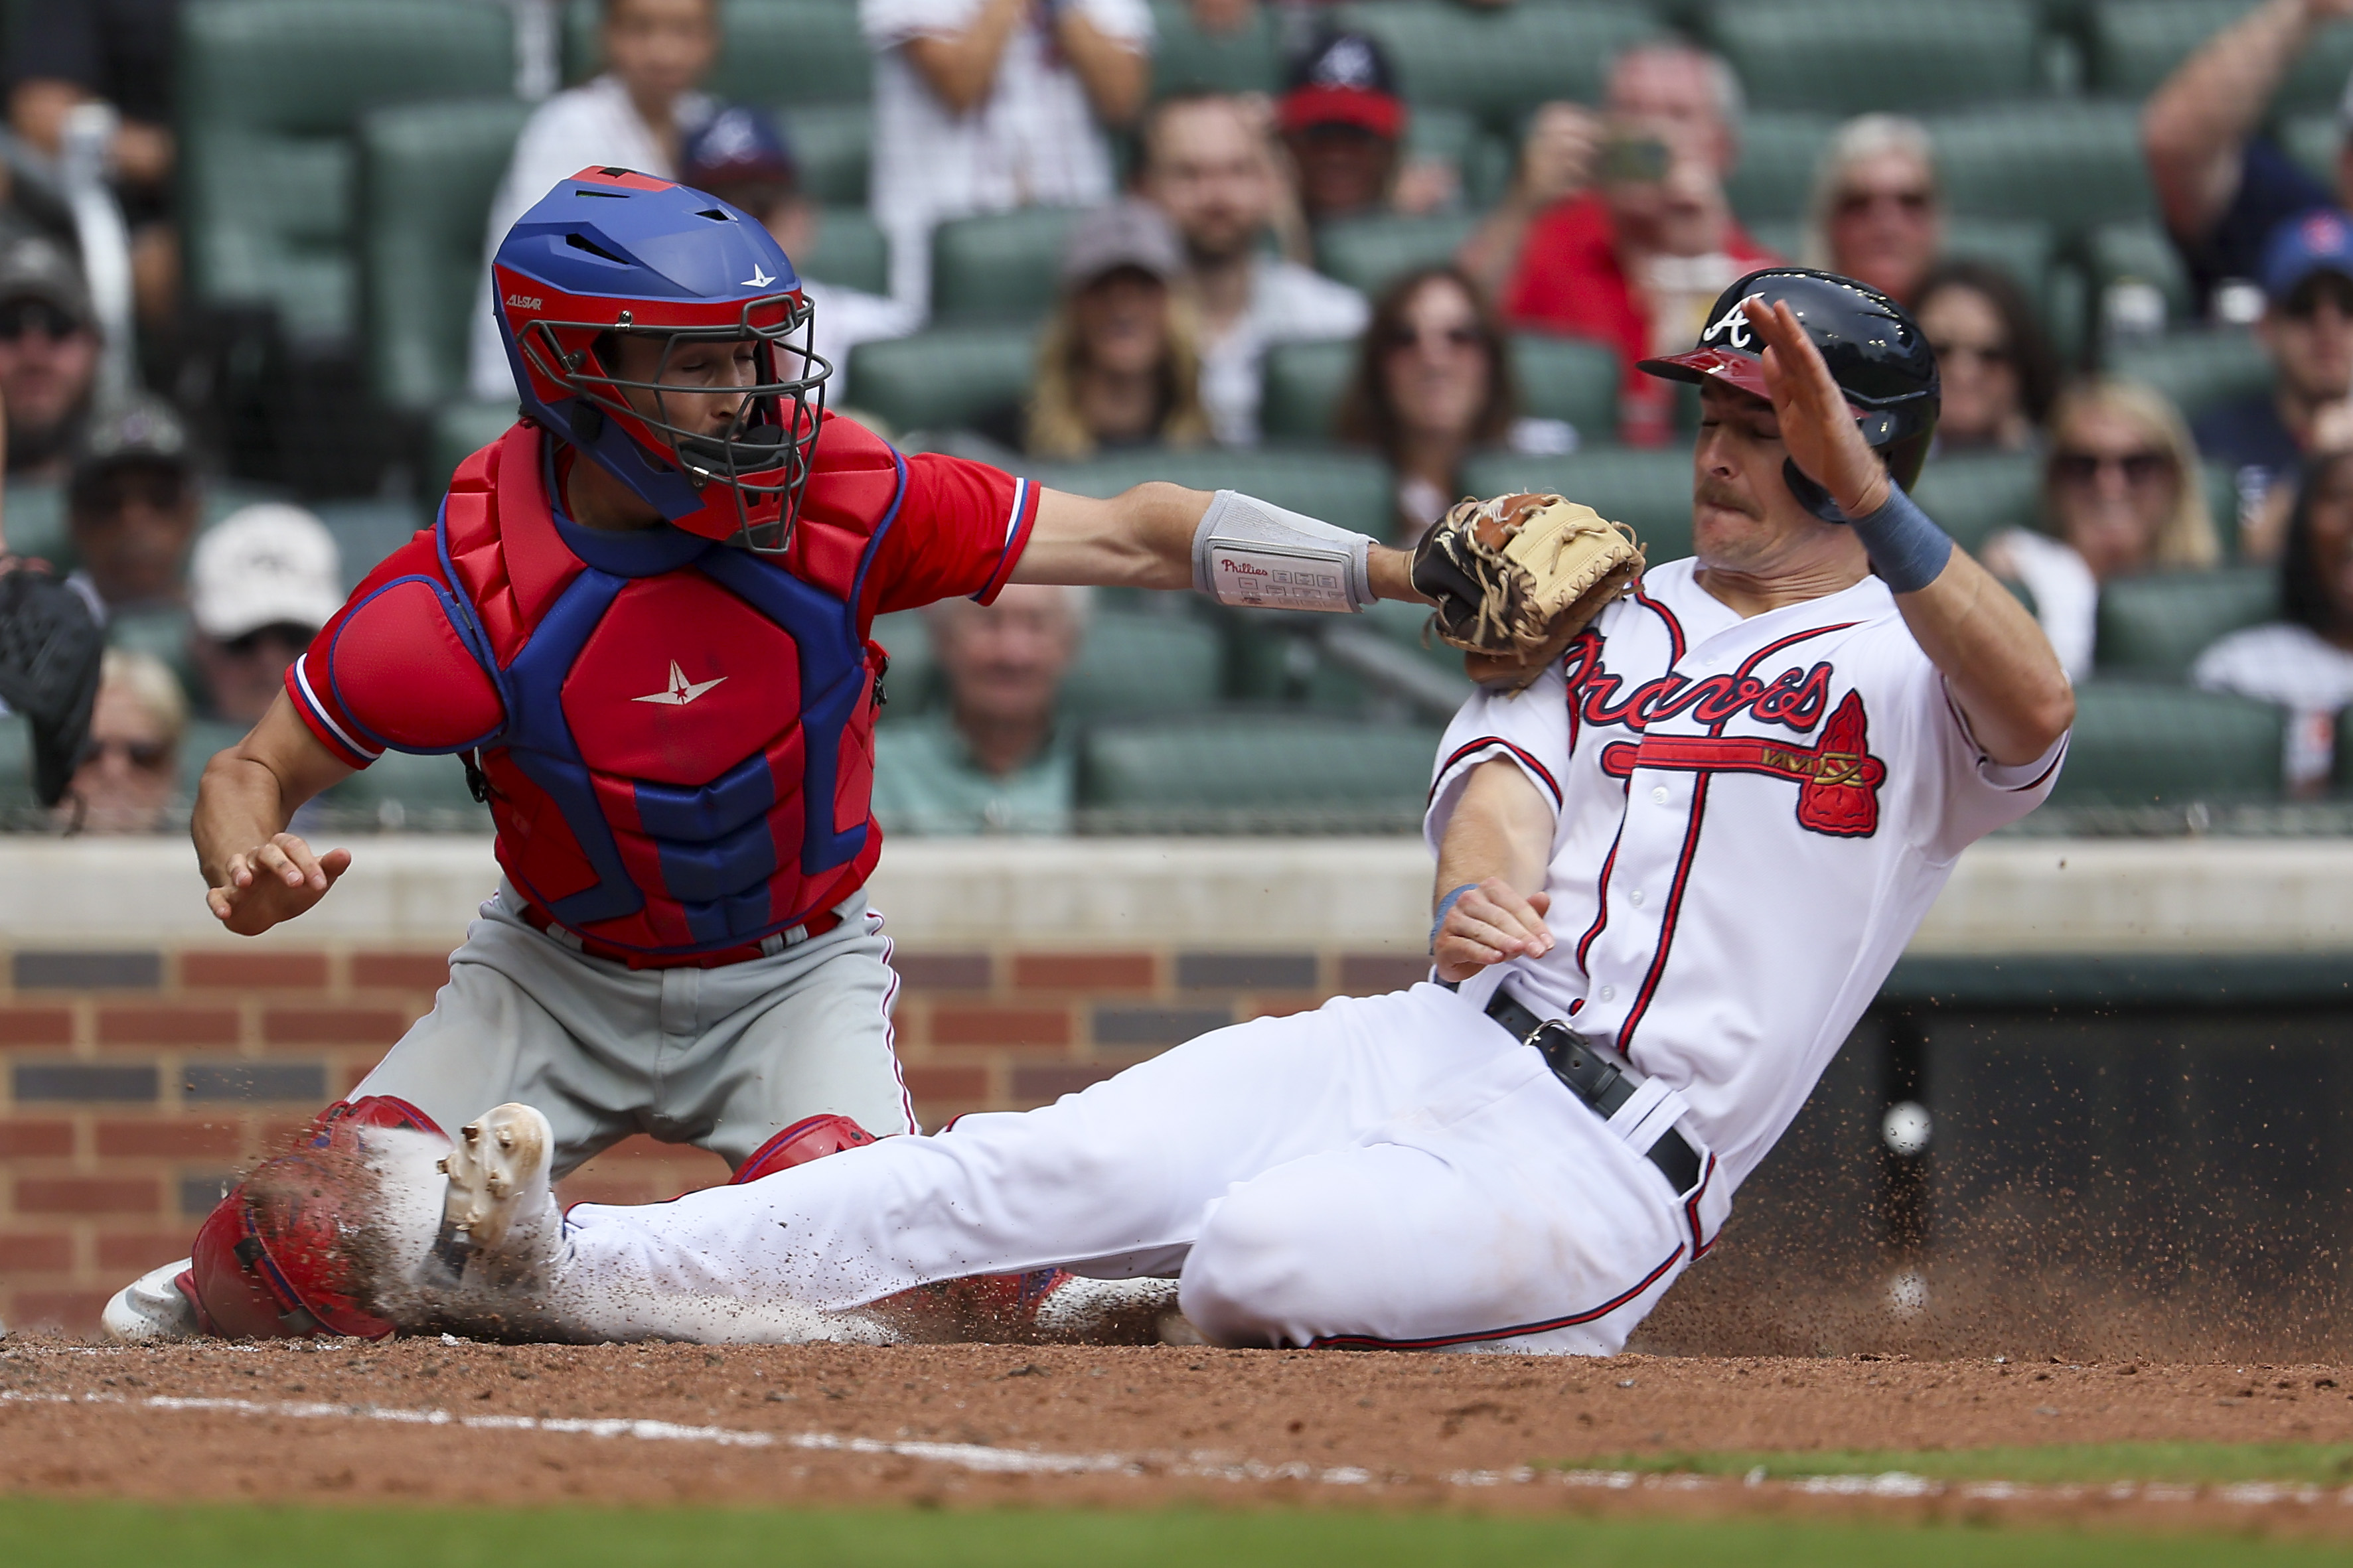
1906	547
1446	907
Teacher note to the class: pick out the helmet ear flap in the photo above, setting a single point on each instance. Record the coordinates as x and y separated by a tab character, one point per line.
1906	457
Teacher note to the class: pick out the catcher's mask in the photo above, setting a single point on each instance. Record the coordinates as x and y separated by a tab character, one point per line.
610	253
1874	348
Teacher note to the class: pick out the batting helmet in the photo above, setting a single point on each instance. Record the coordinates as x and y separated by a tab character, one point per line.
270	1262
611	252
1873	349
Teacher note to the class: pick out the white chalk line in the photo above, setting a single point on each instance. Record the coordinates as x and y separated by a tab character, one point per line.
982	1457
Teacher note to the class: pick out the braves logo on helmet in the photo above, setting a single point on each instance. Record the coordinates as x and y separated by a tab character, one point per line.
611	254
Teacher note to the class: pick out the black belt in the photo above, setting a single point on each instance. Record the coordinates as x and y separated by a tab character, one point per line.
1597	1075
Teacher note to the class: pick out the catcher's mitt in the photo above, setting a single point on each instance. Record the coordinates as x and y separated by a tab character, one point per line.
1515	577
49	651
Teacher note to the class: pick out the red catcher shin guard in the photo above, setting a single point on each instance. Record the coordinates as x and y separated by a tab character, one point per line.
267	1262
811	1138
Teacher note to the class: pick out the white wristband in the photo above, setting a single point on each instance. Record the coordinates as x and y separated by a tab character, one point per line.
1246	552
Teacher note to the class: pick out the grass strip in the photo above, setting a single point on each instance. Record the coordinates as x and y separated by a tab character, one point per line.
2326	1464
48	1532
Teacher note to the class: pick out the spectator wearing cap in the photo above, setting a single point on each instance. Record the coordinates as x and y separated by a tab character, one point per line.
1877	215
118	52
740	155
130	771
1343	123
2304	660
1632	248
982	106
1208	166
49	356
260	585
2223	185
2308	331
996	760
1117	364
636	115
131	510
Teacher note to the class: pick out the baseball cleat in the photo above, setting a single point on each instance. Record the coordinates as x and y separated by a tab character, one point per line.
151	1309
500	1200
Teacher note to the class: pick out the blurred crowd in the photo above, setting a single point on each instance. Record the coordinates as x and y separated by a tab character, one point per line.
1190	259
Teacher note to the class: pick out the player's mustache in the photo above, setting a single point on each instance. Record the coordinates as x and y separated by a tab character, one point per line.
1716	493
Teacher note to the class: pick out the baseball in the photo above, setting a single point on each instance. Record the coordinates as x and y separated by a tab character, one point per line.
1906	1127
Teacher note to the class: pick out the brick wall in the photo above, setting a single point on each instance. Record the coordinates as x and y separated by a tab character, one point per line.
137	1081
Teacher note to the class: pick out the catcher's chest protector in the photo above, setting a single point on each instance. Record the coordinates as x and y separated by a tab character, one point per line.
679	734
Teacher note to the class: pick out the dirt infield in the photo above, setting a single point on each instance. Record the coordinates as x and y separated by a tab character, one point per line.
428	1421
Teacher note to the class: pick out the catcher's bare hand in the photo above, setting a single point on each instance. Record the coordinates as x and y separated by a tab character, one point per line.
273	882
1816	424
1489	924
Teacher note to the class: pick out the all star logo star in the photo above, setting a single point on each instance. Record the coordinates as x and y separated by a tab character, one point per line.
760	277
680	690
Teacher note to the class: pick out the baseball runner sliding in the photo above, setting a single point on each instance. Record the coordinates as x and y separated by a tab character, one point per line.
1678	851
642	618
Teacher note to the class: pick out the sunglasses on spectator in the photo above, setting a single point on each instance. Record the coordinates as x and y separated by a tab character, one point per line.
1993	355
2137	467
147	756
2305	296
285	634
18	317
1912	203
1464	337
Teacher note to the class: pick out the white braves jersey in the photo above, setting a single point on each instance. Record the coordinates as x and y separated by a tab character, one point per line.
1753	817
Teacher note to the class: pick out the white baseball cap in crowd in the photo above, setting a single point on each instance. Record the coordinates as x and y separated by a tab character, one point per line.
262	565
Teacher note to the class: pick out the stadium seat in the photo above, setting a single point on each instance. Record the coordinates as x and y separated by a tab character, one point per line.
458	431
1648	490
18	807
944	378
427	172
400	792
270	96
812	44
1482	160
366	529
1186	59
2144	744
850	252
2312	140
834	144
1974	497
2139	252
1303	770
1774	181
1371	253
2197	368
2073	166
1847	56
1500	62
2135	45
1559	378
1000	267
1136	663
2154	627
1348	488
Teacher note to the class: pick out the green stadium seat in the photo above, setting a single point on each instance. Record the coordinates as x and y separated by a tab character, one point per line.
833	143
1245	768
1137	663
1453	136
1559	378
1000	267
1774	181
1648	490
19	808
2073	166
369	528
814	46
1500	62
2313	140
427	172
2136	44
2343	771
944	378
163	634
2139	252
1974	497
206	738
458	431
270	96
2144	744
1186	59
400	792
911	683
1370	253
2154	627
1349	488
2197	368
850	252
1847	56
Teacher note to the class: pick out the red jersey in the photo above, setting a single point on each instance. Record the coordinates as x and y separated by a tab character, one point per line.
1568	280
678	734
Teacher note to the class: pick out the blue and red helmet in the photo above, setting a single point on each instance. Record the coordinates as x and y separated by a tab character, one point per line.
610	252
